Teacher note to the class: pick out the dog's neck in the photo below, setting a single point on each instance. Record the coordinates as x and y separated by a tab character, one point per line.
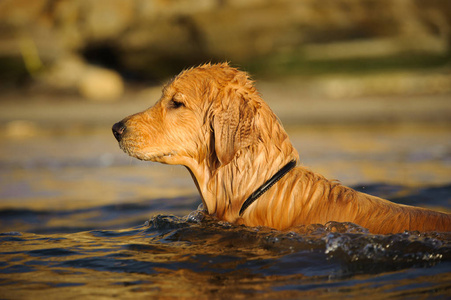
225	188
267	185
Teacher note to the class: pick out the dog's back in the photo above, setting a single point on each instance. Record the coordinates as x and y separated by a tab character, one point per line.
312	199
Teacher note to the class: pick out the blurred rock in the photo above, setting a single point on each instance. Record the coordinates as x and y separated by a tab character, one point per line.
65	73
72	73
101	84
155	38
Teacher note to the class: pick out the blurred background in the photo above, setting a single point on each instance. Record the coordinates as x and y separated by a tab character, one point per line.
362	86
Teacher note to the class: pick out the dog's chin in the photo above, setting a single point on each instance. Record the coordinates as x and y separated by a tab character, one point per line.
165	158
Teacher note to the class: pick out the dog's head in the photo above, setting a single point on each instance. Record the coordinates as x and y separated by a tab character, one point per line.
205	113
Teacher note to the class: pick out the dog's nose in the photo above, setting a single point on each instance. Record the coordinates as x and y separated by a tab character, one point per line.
118	130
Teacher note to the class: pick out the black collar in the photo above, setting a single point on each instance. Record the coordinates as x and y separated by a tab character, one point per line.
267	185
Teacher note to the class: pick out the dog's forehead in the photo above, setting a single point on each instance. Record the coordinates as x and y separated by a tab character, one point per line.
197	82
180	87
189	82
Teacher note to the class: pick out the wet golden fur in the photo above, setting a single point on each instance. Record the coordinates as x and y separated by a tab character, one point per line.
212	120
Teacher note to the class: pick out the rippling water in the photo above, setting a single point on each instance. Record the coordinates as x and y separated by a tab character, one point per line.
79	219
197	256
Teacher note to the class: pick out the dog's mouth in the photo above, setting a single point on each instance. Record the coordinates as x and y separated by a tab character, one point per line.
147	156
158	157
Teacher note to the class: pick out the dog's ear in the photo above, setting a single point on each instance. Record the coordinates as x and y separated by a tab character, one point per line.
233	125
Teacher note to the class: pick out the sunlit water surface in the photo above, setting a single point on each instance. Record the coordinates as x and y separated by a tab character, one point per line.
79	220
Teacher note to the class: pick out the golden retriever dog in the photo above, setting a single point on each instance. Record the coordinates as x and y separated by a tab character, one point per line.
212	120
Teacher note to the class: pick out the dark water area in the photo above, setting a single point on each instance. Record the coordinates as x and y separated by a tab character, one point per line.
196	256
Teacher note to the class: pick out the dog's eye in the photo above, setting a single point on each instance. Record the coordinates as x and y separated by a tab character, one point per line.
175	104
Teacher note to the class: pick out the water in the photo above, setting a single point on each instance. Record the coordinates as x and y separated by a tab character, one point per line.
197	256
79	219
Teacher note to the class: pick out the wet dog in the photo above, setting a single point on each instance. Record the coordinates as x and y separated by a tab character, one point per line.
212	120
